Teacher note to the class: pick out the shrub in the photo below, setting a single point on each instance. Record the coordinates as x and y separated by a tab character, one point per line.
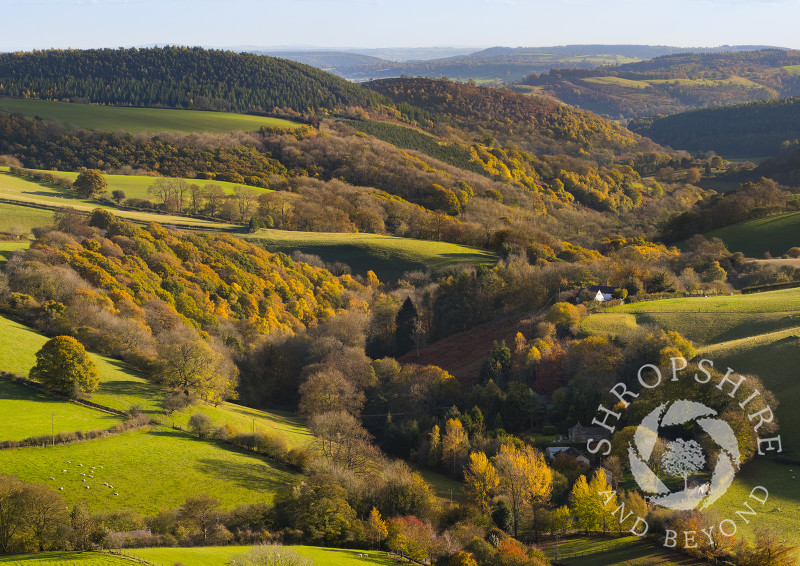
201	424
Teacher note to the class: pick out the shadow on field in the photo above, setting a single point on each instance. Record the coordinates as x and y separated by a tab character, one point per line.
244	474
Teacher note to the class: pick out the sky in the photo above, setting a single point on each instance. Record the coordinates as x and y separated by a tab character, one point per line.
42	24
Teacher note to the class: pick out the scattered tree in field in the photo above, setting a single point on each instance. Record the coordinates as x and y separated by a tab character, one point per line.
480	480
213	195
63	364
90	183
524	477
201	424
117	196
683	458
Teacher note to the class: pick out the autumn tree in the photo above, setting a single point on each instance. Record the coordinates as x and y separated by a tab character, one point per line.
118	196
524	477
12	509
480	480
213	195
201	513
45	512
454	442
188	363
90	183
343	441
63	364
83	526
328	390
435	446
375	528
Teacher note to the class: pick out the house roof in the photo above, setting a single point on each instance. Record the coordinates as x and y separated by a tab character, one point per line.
606	289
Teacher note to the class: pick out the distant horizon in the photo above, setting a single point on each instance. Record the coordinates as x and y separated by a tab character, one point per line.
375	24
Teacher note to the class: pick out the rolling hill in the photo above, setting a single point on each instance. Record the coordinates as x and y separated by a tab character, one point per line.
138	120
673	83
753	129
176	77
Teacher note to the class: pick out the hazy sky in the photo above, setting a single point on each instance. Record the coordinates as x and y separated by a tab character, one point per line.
39	24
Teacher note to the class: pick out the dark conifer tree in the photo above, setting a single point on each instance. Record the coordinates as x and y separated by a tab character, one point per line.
406	327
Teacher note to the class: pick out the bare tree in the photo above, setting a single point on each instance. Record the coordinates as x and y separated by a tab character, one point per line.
683	458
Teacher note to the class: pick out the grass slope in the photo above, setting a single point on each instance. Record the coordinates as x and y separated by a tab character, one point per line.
65	559
136	120
218	556
388	256
150	470
26	191
16	219
121	387
8	247
135	186
636	556
38	410
773	234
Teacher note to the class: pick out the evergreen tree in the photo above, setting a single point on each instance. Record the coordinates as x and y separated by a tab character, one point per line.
406	325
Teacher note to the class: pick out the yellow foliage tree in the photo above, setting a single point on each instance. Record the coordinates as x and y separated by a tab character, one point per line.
454	442
481	480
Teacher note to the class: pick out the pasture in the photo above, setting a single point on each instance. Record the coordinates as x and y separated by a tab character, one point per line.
245	419
65	559
773	234
221	555
121	387
147	470
135	186
388	256
28	191
8	247
44	414
19	220
138	120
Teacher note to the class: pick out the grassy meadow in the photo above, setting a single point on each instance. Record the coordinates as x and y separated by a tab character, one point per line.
28	191
135	186
8	247
137	120
20	220
149	470
388	256
44	414
773	234
65	559
221	555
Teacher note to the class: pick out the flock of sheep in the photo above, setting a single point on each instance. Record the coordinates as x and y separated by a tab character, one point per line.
86	476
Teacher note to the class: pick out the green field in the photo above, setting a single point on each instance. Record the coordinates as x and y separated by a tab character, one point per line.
635	556
793	70
8	247
218	556
617	81
244	419
19	220
773	234
65	559
136	120
592	545
150	470
43	414
388	256
27	191
135	186
121	387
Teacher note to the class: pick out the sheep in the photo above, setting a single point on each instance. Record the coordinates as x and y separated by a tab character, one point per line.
60	489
